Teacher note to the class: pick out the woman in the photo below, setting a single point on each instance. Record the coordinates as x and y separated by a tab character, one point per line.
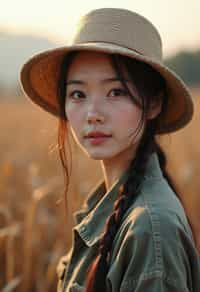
110	88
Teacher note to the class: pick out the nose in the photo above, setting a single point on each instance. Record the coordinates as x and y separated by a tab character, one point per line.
94	115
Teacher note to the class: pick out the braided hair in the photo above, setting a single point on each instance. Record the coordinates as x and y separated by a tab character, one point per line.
127	194
151	87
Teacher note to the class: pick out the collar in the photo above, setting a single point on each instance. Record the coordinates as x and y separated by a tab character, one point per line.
91	219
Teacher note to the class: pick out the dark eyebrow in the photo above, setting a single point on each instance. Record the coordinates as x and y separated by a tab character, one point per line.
107	80
74	82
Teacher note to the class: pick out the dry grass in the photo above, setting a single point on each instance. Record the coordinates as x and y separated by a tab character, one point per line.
34	230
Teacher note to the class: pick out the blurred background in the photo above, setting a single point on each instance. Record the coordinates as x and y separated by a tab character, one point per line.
35	230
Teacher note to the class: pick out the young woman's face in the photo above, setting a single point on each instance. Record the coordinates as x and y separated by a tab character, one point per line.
96	101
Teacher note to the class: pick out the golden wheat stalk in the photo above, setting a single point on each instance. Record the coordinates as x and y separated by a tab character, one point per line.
38	195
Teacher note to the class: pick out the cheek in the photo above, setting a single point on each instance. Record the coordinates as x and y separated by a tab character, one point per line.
73	117
129	126
128	117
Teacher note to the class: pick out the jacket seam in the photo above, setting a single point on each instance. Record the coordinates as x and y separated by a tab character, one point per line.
156	233
130	283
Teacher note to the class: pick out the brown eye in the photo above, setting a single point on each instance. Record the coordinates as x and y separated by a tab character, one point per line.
76	94
118	92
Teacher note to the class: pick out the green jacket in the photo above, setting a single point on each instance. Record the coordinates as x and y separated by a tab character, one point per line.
153	250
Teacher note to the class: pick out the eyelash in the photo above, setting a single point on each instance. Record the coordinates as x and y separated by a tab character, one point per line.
123	92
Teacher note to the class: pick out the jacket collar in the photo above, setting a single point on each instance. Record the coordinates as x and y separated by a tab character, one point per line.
91	219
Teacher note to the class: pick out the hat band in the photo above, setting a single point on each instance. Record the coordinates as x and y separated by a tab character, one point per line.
112	47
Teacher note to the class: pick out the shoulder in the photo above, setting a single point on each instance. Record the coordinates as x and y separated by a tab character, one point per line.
157	210
153	242
155	223
158	215
154	228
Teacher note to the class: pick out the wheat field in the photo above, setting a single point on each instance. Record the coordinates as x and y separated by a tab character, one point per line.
35	229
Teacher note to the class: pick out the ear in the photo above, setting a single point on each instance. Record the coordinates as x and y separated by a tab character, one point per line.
155	109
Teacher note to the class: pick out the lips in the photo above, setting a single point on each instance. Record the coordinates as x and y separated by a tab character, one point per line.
97	138
97	134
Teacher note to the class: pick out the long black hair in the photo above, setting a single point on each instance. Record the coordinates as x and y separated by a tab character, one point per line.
152	89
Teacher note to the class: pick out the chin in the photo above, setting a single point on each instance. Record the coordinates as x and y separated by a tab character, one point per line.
99	156
96	156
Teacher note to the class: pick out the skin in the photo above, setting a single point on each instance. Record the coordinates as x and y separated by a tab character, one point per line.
99	105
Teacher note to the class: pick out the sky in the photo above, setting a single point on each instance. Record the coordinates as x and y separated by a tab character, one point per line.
178	21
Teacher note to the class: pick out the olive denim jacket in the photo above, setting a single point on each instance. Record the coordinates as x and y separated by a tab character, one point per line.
153	250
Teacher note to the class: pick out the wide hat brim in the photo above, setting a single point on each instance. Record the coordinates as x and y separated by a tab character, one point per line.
39	79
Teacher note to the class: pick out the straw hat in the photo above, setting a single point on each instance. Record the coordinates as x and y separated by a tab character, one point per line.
110	30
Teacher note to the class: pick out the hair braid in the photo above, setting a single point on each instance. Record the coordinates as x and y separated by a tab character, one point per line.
127	193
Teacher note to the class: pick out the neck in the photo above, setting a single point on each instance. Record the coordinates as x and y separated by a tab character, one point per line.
114	168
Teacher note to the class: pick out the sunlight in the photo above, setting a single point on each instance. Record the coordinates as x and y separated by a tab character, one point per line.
56	19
